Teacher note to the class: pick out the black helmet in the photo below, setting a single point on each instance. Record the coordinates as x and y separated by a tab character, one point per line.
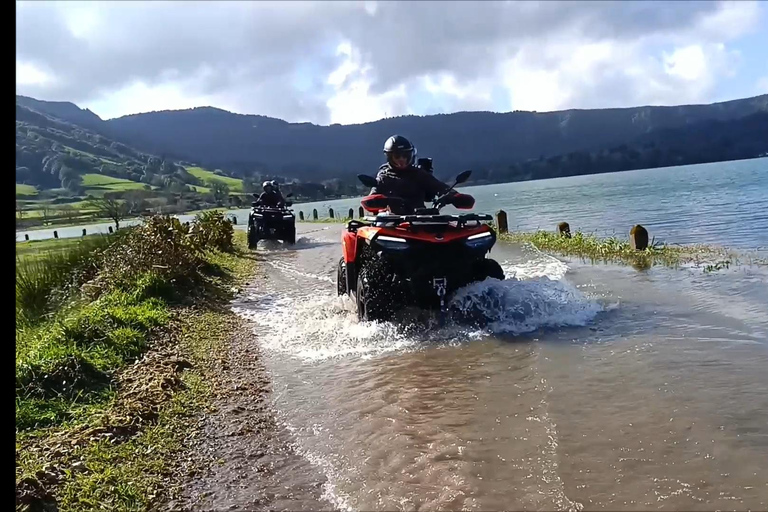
397	146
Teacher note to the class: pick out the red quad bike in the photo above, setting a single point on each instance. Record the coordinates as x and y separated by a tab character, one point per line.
393	261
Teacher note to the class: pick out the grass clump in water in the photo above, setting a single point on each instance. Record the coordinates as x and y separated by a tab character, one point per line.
614	250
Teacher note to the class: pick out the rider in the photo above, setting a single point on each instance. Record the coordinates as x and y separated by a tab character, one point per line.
401	178
271	197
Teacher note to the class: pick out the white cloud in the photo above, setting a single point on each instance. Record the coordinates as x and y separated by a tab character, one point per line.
762	85
29	74
352	101
343	62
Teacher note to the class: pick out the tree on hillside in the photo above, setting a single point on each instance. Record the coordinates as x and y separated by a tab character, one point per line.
220	191
110	208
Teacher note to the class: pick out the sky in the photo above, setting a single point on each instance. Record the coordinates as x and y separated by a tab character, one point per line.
356	62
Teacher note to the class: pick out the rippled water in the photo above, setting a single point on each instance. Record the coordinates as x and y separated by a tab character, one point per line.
722	203
591	387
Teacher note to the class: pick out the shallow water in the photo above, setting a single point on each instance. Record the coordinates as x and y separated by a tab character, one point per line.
596	387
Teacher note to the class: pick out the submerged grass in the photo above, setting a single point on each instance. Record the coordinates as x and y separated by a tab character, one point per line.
109	373
592	248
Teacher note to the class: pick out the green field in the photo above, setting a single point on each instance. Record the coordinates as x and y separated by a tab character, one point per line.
235	185
26	190
39	248
201	190
95	183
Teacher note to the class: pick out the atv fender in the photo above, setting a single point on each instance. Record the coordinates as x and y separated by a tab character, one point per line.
349	246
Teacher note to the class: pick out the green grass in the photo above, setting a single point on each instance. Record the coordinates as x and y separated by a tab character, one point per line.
39	248
132	363
613	250
235	185
26	190
198	188
101	181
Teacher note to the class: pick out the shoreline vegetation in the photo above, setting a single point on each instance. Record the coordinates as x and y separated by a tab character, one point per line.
594	249
117	341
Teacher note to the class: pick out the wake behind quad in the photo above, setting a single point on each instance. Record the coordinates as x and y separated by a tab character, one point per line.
390	262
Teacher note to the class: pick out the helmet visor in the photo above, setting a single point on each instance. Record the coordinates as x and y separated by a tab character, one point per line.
402	156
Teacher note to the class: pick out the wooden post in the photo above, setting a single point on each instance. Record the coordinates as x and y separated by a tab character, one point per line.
351	213
55	234
330	212
638	238
501	222
83	231
563	229
361	212
314	214
301	215
110	229
26	237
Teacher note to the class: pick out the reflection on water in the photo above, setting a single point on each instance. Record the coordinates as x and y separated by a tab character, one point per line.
594	387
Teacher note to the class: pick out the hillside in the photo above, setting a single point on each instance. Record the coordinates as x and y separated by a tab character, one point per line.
61	165
243	144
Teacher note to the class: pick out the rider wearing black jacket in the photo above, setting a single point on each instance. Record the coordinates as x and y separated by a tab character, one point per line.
399	177
271	197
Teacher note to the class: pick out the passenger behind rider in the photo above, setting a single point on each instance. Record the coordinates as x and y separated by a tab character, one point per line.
271	197
399	177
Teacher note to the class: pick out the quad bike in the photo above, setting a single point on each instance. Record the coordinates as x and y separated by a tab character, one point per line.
271	223
392	261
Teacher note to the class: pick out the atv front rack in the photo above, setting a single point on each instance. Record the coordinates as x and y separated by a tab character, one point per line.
460	220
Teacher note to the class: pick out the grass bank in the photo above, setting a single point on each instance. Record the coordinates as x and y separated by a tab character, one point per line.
117	341
592	248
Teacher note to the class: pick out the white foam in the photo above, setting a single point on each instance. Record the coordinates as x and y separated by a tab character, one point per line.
318	328
517	306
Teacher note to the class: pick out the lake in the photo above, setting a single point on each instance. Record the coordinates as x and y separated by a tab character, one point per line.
723	203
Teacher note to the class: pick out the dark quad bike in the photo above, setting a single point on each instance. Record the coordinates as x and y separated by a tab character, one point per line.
267	223
392	261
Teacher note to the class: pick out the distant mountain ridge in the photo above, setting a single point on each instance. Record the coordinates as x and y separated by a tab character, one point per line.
242	144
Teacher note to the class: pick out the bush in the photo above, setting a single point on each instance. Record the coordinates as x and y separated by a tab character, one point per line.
161	247
213	231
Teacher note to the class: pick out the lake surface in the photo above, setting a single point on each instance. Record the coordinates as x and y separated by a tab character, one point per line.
724	203
596	387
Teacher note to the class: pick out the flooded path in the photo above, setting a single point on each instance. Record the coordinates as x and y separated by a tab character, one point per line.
594	387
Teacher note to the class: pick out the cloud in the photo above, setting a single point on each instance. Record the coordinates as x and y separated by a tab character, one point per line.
347	62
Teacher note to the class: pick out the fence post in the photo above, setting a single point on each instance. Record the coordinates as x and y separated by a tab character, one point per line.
564	229
83	231
26	237
110	229
314	214
638	238
55	234
330	212
351	213
501	221
361	212
301	215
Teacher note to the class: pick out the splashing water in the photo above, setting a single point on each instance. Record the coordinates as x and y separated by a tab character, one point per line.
315	327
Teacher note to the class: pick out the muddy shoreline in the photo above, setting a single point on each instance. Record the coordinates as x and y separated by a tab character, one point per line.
243	455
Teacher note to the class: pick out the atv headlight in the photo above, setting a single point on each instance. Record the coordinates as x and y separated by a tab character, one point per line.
258	215
287	216
392	242
480	240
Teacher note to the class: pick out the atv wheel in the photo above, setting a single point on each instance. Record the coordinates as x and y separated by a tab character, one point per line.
253	237
375	297
341	277
489	268
290	236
